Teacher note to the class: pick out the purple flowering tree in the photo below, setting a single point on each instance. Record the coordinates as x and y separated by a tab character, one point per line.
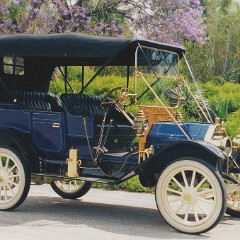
169	21
41	16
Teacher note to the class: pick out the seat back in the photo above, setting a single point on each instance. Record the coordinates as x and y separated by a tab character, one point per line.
40	101
82	104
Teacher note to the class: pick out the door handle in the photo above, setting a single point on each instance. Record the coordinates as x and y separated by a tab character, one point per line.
56	125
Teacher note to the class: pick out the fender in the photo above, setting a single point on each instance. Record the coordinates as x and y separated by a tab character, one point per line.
184	149
19	142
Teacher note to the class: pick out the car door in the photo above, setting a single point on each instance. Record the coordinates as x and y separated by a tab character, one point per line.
48	131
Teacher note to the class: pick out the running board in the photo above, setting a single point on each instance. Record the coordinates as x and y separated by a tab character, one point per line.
43	178
39	178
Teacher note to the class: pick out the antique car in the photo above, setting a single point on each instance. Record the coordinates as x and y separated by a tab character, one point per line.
76	138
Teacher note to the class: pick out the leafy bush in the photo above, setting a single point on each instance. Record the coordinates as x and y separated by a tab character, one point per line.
220	109
225	99
233	124
234	75
218	80
225	92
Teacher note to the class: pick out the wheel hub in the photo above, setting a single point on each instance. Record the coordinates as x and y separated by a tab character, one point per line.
187	197
4	177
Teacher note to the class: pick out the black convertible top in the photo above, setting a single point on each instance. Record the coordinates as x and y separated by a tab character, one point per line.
42	53
90	50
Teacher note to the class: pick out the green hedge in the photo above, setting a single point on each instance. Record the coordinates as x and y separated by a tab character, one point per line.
233	124
225	92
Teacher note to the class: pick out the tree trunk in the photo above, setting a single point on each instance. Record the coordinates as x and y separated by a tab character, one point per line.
226	56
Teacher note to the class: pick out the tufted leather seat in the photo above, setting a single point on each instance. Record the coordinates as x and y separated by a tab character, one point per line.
40	101
84	105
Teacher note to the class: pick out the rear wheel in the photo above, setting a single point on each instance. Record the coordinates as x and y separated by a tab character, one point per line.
14	179
71	189
191	196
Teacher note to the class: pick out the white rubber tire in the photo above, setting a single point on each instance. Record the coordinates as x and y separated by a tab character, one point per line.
71	189
198	202
14	179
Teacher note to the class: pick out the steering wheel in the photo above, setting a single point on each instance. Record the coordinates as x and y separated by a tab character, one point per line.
107	101
119	103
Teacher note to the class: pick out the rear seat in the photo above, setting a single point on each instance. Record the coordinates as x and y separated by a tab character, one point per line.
39	101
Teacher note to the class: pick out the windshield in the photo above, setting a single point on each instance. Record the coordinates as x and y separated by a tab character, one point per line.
152	67
156	62
157	71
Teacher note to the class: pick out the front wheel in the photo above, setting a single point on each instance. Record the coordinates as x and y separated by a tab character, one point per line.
14	179
71	189
191	196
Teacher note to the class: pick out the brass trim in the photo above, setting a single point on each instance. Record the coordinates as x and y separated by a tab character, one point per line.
73	163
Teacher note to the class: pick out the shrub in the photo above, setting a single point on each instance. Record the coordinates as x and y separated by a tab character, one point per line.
220	109
233	124
225	92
